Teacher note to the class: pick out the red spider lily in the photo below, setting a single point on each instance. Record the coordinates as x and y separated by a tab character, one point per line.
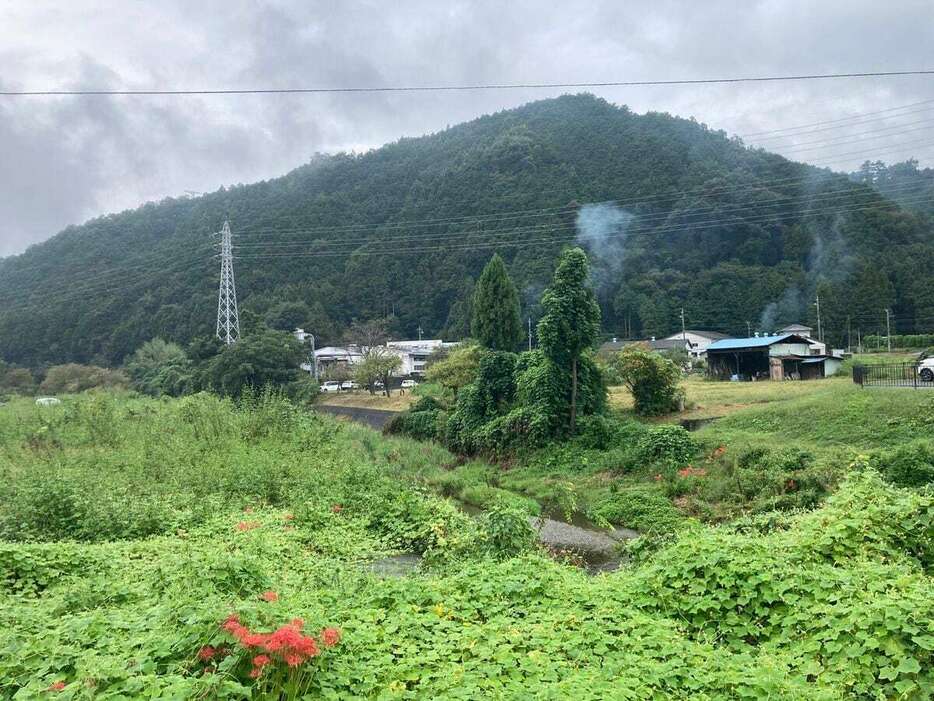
269	596
289	517
247	525
330	636
206	653
337	508
57	686
286	647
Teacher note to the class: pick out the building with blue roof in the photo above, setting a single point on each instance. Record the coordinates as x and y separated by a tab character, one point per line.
763	357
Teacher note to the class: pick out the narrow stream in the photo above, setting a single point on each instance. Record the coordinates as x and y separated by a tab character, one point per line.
595	549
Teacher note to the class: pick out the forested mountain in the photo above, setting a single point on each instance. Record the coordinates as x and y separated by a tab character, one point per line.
698	221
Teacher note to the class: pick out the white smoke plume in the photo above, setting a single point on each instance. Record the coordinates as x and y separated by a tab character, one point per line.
602	229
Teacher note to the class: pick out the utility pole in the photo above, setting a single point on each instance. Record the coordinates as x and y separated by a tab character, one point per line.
849	334
419	332
748	329
859	340
888	329
228	319
683	333
820	333
530	334
314	357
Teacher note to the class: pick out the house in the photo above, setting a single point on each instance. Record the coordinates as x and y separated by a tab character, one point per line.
696	342
658	345
777	357
693	342
415	354
336	358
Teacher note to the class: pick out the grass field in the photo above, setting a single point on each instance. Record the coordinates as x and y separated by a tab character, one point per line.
197	549
365	400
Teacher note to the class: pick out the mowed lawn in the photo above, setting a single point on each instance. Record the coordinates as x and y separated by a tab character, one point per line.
711	398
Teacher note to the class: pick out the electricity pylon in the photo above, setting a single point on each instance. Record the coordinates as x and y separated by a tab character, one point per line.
228	320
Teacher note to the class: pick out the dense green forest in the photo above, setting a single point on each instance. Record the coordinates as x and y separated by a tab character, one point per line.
690	218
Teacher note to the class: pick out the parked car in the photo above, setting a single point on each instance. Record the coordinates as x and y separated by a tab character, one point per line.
926	370
330	386
349	385
408	384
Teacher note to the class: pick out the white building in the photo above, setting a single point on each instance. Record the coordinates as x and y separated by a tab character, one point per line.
415	354
696	342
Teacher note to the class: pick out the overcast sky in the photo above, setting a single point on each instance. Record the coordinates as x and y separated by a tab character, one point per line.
66	159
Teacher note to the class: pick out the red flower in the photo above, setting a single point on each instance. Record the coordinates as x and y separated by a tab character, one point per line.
253	639
269	596
206	653
247	525
261	660
337	508
293	659
289	517
330	636
57	686
297	623
255	672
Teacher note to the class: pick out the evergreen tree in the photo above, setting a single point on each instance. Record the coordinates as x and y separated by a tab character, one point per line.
496	323
572	318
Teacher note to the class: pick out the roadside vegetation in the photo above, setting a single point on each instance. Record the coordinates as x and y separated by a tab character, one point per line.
217	548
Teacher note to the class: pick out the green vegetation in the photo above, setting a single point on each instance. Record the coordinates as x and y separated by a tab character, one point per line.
495	321
507	403
651	379
134	530
712	226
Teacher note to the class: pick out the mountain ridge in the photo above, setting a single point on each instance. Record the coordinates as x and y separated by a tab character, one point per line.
709	225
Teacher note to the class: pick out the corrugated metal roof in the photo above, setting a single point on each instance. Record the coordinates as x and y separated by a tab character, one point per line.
752	342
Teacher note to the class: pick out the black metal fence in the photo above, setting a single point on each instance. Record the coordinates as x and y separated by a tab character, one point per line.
890	375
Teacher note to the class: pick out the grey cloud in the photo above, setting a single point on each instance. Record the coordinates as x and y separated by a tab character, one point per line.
64	160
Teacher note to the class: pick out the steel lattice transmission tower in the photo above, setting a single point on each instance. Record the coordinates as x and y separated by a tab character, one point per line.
228	319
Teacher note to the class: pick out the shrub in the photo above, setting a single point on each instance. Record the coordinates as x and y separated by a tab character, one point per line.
668	446
652	380
72	378
908	466
507	531
420	425
158	368
644	509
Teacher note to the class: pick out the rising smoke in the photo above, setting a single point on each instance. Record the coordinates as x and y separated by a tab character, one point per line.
829	260
603	229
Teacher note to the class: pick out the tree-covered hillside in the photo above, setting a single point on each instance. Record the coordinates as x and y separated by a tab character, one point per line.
697	220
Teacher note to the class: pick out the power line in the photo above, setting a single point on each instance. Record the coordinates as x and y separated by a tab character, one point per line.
858	115
643	222
484	86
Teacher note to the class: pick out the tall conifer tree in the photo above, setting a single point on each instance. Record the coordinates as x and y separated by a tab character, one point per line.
496	323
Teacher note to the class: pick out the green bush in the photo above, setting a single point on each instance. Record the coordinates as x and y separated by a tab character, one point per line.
667	446
643	509
652	380
911	465
73	378
422	425
507	531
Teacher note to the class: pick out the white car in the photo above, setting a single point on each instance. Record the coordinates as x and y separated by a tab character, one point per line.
330	386
926	369
408	384
349	385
